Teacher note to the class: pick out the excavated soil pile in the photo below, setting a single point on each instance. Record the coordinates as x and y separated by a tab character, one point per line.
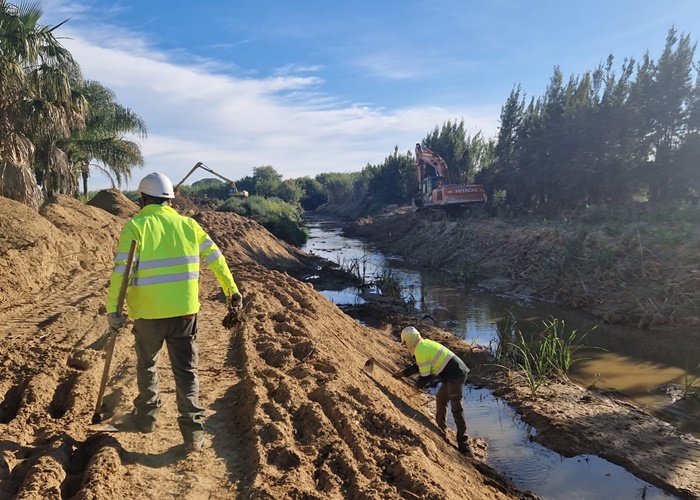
114	202
290	412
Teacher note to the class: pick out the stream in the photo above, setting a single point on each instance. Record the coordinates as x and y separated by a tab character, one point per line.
635	363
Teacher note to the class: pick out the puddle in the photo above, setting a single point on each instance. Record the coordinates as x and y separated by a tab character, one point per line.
533	467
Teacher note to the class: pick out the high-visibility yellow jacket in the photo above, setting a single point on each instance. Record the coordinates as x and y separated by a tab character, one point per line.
431	357
164	282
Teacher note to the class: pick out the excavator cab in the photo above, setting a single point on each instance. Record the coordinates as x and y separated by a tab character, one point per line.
429	186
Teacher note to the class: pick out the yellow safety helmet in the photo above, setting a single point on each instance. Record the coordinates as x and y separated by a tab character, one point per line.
410	337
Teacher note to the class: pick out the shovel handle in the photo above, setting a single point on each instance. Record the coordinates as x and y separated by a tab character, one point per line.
113	332
127	273
372	361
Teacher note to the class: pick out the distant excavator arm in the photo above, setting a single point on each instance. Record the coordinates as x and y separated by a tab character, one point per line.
201	165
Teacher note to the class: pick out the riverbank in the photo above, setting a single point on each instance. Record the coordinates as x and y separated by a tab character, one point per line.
638	275
628	272
568	419
290	412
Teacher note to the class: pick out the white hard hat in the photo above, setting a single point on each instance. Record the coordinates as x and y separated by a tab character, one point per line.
410	337
156	184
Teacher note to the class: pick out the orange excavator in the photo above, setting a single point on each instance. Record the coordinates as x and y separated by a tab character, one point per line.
233	190
435	187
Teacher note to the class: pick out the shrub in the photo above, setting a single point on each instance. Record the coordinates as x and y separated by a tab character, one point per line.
280	218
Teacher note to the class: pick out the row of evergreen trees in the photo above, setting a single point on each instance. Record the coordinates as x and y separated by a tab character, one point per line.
611	135
604	137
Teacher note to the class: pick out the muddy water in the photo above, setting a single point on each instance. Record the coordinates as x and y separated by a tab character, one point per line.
634	362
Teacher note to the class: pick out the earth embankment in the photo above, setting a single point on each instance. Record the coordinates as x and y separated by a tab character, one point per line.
290	412
637	274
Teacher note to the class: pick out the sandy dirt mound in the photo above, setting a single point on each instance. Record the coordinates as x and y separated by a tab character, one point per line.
114	202
291	413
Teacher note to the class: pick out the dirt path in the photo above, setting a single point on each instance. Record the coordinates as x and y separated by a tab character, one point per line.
290	413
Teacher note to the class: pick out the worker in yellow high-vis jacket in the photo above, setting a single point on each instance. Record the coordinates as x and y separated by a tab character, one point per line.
163	301
435	360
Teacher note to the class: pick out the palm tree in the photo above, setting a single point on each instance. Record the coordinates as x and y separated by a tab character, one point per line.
36	99
103	139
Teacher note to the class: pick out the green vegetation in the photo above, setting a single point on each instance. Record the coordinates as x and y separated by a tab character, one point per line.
54	123
278	217
355	266
603	137
615	135
542	356
691	382
389	284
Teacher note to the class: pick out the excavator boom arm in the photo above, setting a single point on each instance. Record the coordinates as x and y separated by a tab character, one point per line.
203	166
425	155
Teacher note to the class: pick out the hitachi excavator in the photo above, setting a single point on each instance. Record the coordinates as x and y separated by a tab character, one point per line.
233	191
435	184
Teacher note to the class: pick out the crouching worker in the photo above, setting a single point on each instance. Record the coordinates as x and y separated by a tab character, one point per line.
433	360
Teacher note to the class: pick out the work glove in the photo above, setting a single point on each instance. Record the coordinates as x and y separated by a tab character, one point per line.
116	321
398	374
236	302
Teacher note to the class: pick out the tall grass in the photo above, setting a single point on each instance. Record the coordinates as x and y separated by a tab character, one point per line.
356	266
548	354
691	382
388	283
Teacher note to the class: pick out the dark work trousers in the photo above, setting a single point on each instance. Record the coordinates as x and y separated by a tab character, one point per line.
452	391
180	337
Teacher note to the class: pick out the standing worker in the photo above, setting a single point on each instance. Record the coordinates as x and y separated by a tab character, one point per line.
163	301
435	360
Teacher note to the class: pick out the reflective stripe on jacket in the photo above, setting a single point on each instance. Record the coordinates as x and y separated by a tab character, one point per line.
431	357
165	274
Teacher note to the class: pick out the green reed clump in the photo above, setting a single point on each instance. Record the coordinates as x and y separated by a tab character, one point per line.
355	266
691	382
546	355
388	283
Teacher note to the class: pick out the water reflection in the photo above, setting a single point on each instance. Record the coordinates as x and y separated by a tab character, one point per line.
534	467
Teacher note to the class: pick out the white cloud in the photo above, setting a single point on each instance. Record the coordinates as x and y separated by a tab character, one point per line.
197	113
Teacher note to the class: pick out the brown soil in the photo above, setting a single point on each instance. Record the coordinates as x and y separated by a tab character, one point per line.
291	412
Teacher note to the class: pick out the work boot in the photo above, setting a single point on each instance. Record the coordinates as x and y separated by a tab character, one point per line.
195	446
144	423
463	446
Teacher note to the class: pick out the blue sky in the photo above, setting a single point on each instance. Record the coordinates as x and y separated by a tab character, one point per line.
323	86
